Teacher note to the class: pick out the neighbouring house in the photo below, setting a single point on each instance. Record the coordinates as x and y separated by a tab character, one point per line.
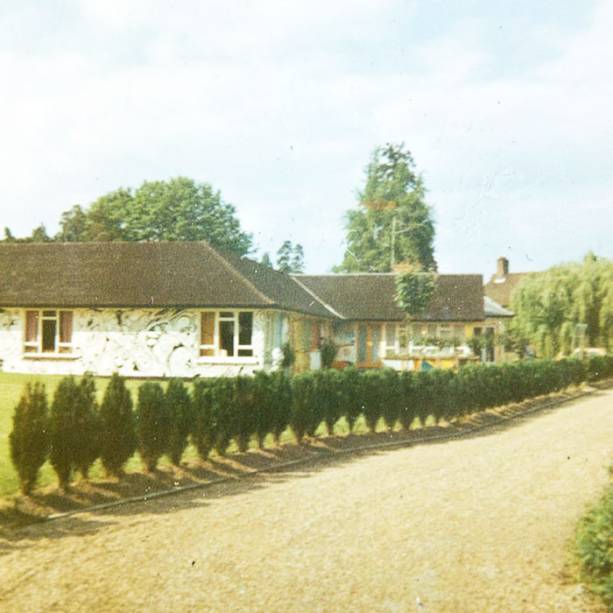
502	283
184	309
371	330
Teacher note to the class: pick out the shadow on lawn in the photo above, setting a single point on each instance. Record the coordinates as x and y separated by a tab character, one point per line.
233	475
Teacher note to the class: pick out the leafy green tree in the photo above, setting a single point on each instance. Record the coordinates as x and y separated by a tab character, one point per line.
175	210
414	292
203	425
265	260
152	424
117	427
549	306
29	439
392	223
290	257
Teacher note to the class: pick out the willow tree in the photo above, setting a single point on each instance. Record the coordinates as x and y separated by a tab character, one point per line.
553	308
392	222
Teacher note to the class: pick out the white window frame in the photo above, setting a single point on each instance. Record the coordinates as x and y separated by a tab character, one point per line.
216	346
38	344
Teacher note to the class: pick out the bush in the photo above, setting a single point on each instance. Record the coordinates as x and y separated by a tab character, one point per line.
73	428
406	411
282	404
391	397
178	409
352	403
328	351
263	406
117	428
29	439
303	405
203	427
245	411
371	394
331	397
152	424
87	426
594	546
224	416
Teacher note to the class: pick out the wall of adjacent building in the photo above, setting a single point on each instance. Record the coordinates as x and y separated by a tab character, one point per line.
141	343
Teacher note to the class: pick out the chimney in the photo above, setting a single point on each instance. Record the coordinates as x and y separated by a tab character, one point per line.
502	267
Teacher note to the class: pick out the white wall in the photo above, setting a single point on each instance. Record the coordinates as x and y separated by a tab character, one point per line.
135	343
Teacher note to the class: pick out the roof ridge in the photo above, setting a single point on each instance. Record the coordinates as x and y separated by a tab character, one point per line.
322	302
238	274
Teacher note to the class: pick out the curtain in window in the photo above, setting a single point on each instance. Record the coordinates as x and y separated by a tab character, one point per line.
65	326
31	326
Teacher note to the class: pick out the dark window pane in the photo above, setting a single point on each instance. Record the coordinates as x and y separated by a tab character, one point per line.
49	326
226	336
227	314
245	328
245	352
49	314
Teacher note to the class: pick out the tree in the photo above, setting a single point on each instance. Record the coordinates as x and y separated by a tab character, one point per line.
265	260
290	257
117	429
392	223
178	408
550	305
29	439
73	428
152	424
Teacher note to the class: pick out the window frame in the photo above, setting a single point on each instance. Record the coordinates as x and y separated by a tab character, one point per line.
221	315
35	348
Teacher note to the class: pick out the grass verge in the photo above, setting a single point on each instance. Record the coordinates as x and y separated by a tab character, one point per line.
594	547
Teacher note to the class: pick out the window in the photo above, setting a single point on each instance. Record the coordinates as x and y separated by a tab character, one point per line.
48	331
226	334
391	335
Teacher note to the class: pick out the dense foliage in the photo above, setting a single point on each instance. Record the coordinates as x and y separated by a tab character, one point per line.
177	209
29	439
595	547
117	426
549	306
414	291
243	409
392	223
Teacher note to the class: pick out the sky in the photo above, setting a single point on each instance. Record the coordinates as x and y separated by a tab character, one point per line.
506	106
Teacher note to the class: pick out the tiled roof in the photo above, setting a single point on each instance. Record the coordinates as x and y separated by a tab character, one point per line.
500	289
371	296
156	274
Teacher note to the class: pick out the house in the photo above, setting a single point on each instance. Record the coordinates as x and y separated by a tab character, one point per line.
148	309
371	330
185	309
502	283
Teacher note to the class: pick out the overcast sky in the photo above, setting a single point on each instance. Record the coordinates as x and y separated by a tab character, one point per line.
507	107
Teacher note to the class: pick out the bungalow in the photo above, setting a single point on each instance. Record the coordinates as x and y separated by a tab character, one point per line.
185	309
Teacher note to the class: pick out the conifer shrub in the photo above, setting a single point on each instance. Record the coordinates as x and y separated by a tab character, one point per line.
245	411
87	426
372	389
224	415
203	433
331	393
29	439
178	409
282	403
263	406
63	432
117	427
391	397
406	412
303	405
152	424
352	404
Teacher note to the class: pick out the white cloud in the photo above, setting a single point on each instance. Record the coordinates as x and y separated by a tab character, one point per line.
279	106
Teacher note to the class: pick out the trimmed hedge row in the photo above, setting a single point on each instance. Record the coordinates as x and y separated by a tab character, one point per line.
75	431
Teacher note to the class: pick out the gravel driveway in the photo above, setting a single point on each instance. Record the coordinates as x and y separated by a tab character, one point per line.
479	524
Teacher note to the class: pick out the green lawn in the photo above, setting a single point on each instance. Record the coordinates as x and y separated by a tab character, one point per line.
11	387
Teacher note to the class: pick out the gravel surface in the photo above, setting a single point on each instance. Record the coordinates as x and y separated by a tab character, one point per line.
479	524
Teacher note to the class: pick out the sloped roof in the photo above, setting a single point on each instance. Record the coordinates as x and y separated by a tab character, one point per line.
500	289
493	309
156	274
371	296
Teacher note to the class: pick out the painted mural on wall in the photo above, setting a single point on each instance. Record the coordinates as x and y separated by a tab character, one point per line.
133	342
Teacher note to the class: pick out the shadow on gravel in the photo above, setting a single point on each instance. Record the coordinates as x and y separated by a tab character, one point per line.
223	477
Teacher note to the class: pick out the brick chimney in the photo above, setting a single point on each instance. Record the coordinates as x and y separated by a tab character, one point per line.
502	267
